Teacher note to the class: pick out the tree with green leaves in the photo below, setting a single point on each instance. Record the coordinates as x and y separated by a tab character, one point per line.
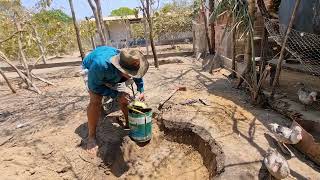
123	11
20	18
172	19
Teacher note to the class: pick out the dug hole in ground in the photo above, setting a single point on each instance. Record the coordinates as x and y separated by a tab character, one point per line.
41	135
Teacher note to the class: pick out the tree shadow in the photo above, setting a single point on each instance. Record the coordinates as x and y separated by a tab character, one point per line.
110	140
250	138
223	88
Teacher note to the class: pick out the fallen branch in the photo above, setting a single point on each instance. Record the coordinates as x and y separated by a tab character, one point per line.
7	80
43	80
39	78
22	76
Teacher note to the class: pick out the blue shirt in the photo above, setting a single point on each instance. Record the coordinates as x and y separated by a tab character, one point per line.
102	71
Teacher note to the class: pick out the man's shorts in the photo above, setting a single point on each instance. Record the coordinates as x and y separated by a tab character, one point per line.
124	87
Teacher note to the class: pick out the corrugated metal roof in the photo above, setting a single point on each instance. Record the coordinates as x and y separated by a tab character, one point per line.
117	18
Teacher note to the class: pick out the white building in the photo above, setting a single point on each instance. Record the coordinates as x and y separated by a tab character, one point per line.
119	33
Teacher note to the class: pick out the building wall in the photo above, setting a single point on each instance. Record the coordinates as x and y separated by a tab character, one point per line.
118	31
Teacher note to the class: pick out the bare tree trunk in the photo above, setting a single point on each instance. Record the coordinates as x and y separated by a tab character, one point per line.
99	11
76	28
7	80
97	21
23	57
212	28
206	26
145	33
147	11
280	60
39	43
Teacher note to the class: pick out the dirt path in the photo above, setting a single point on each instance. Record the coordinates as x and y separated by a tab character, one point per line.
40	136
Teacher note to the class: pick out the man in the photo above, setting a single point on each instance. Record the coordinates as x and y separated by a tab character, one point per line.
108	68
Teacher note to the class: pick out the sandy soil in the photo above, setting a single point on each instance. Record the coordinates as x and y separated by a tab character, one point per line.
41	136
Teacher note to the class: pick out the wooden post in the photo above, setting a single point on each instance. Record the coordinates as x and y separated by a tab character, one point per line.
264	46
203	12
252	13
280	60
76	28
212	27
233	44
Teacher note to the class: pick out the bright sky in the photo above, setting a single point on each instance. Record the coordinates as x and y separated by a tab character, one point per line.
82	8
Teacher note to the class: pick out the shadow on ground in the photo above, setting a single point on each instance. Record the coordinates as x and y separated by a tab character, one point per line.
110	139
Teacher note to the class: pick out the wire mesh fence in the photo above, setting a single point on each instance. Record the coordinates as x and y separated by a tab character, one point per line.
305	47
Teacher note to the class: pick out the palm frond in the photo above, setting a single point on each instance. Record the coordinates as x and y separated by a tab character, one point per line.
238	9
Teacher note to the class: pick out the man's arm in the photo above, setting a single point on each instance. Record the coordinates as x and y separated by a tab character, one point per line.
139	83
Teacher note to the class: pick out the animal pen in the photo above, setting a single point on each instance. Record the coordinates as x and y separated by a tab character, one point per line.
292	51
194	124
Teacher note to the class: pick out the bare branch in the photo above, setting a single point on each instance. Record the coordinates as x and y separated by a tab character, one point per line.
7	80
23	57
11	36
43	80
38	41
22	76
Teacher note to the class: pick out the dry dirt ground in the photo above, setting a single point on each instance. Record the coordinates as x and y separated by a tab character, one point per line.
41	135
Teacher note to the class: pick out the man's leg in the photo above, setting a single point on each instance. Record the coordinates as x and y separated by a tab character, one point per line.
123	103
93	113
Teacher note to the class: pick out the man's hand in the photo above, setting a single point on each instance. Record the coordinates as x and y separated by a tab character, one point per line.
141	97
124	98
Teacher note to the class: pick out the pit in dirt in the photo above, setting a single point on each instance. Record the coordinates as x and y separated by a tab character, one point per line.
176	150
